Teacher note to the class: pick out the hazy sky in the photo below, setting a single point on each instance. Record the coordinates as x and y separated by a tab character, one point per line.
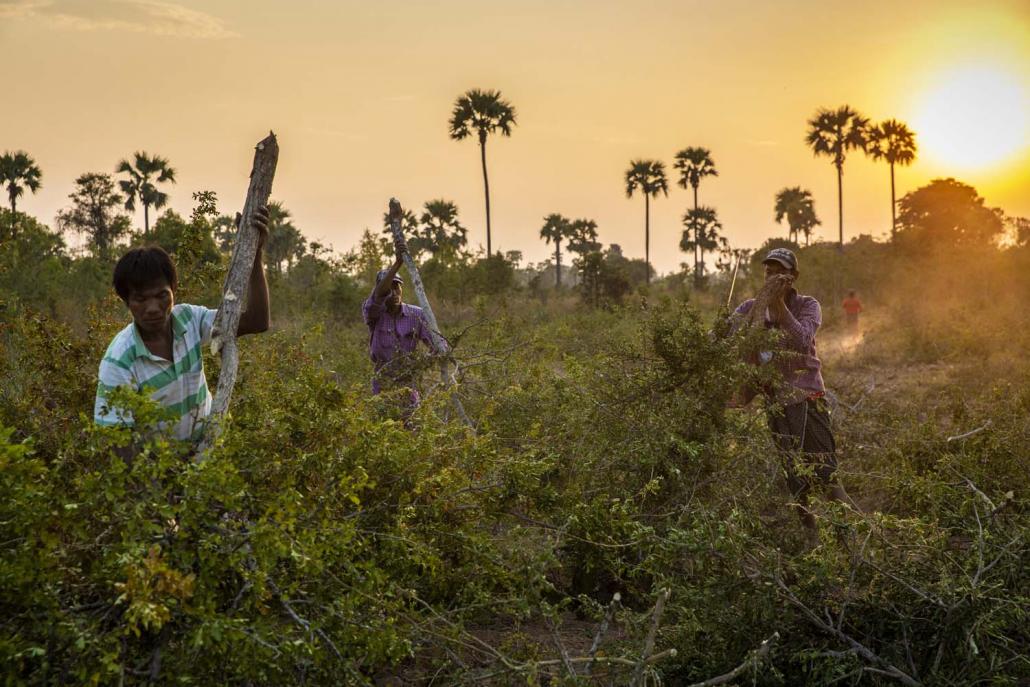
359	94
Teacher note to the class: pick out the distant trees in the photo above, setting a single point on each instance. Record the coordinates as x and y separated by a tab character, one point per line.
436	231
440	232
19	172
694	164
947	212
94	213
285	242
701	233
144	172
894	142
796	206
832	133
557	228
583	237
223	228
1020	230
484	113
649	177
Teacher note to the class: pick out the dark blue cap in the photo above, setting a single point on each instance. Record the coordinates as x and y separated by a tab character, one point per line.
784	256
382	273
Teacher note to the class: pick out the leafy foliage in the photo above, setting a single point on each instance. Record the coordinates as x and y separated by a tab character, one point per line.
144	173
323	541
19	172
93	213
796	206
947	213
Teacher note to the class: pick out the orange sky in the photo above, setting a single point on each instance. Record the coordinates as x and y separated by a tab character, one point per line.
360	93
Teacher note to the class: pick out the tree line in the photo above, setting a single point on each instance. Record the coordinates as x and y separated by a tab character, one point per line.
99	201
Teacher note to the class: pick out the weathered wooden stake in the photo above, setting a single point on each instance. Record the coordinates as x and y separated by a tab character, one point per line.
223	340
439	343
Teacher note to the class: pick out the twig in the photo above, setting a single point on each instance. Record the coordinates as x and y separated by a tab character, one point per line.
611	660
652	633
969	482
304	623
970	433
857	646
754	659
602	629
561	648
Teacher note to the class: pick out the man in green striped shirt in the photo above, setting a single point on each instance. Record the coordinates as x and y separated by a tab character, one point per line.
161	350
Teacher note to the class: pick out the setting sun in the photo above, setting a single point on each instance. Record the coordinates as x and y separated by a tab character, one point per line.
974	117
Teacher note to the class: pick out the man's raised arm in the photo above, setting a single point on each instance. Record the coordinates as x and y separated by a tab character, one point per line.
257	317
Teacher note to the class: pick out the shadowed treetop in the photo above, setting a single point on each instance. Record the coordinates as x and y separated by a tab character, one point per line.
483	112
694	164
19	172
834	132
893	142
648	176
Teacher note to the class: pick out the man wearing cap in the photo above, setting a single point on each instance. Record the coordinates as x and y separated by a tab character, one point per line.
799	418
394	329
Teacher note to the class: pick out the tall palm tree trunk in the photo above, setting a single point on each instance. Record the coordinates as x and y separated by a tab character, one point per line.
14	216
557	265
146	219
840	204
647	237
894	216
486	190
697	278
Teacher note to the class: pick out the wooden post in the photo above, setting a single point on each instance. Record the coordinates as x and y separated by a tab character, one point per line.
440	346
223	340
733	282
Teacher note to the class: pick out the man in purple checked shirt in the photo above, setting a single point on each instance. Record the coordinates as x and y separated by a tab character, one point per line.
799	416
394	329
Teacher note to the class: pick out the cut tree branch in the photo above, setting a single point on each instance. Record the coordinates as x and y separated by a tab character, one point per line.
754	659
652	633
223	335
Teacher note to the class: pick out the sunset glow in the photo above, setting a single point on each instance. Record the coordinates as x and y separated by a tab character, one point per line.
975	117
360	97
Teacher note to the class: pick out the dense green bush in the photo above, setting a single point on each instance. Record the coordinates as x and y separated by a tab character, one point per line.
324	542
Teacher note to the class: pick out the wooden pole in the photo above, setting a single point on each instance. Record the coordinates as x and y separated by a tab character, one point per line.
223	340
440	346
733	282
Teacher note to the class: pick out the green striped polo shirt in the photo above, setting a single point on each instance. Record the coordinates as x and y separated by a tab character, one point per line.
179	385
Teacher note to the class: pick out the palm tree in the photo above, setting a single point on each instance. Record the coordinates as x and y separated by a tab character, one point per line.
556	229
894	142
285	242
483	112
833	133
796	205
701	234
19	172
144	171
694	165
583	237
649	177
441	232
409	228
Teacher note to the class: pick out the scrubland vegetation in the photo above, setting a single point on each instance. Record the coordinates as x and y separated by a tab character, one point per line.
324	543
608	520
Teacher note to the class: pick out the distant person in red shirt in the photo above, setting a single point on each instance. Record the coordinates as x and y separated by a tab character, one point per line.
852	306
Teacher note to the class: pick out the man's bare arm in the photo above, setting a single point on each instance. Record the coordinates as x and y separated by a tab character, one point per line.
257	317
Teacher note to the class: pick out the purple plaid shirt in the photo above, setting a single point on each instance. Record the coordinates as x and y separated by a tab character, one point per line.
392	336
797	360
